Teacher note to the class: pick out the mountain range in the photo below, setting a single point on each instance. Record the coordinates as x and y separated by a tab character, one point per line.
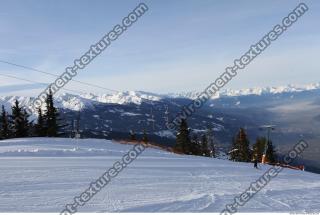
295	112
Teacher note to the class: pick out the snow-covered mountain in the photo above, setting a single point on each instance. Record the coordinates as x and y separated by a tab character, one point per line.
250	91
295	111
77	102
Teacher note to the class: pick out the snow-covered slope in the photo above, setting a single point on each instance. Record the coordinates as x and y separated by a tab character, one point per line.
42	175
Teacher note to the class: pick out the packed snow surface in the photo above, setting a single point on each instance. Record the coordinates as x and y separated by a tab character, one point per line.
43	174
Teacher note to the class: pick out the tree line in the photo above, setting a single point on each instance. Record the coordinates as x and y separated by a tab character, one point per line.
195	145
240	151
144	138
17	124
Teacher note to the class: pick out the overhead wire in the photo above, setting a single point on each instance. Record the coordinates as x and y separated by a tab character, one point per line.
54	75
34	82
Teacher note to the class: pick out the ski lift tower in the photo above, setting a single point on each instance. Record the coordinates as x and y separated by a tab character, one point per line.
268	128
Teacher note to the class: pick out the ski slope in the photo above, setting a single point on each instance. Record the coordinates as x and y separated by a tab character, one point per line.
44	174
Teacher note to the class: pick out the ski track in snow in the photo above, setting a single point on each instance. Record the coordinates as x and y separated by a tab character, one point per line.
42	175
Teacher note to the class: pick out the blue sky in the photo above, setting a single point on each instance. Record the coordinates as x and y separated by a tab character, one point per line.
176	46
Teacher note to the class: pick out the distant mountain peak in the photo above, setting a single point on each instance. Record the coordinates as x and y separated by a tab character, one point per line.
251	91
78	102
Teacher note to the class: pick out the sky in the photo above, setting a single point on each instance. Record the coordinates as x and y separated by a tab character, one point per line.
176	46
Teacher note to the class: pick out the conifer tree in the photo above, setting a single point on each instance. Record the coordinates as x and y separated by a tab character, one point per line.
234	153
51	115
258	148
27	124
40	126
183	140
241	151
195	146
20	121
271	153
5	131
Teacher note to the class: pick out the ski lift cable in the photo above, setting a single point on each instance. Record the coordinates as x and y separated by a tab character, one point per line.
34	82
54	75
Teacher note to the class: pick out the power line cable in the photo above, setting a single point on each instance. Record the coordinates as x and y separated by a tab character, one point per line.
54	75
34	82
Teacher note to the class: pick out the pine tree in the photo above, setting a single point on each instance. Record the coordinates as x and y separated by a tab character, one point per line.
241	151
271	153
16	118
195	146
145	137
234	153
51	115
5	131
20	121
26	123
258	148
40	126
183	140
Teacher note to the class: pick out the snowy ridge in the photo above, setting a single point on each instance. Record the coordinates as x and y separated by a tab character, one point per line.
77	102
250	91
271	90
136	97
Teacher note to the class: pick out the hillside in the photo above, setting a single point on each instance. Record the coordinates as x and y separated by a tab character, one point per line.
294	110
42	175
